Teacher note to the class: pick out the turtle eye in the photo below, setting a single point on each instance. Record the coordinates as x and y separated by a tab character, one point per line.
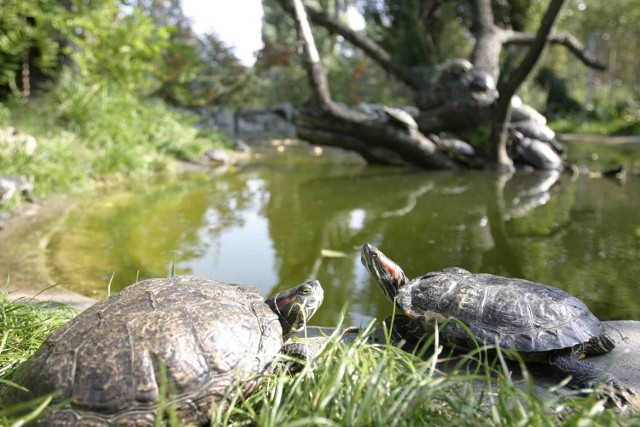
306	291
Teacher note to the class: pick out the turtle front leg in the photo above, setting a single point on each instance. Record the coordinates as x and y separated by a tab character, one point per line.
587	375
300	354
403	329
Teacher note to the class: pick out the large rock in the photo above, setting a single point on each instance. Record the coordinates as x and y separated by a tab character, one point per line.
258	123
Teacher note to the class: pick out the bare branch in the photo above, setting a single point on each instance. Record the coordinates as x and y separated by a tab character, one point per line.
535	50
567	40
315	70
366	44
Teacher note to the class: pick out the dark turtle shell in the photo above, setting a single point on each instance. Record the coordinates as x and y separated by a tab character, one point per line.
112	359
512	313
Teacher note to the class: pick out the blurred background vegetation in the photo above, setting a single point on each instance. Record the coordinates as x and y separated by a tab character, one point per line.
107	85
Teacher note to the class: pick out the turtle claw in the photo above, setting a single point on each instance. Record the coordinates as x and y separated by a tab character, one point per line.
616	394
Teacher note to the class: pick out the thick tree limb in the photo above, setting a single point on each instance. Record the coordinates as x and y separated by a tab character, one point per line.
376	141
564	39
384	138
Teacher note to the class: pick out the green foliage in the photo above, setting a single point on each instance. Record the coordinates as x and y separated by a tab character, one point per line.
352	76
202	71
115	121
27	25
24	325
611	29
418	32
98	36
123	49
88	131
364	384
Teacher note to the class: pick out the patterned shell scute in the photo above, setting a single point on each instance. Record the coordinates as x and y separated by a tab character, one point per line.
207	336
513	313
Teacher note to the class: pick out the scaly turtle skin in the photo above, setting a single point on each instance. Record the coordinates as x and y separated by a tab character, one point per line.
206	340
540	322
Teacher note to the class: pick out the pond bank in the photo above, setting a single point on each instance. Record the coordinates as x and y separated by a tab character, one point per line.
24	265
578	138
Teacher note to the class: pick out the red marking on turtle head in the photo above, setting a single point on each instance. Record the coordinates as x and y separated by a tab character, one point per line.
394	269
285	302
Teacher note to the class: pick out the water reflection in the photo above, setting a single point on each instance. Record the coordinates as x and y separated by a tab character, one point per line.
274	223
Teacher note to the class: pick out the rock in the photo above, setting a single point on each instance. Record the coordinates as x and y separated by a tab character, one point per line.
11	186
259	123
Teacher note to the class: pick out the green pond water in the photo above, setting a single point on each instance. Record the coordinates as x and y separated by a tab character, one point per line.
287	216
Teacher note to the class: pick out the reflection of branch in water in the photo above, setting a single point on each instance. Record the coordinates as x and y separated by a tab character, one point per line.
324	240
525	207
412	200
533	193
502	253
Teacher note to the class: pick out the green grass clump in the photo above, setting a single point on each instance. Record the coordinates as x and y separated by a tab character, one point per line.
364	384
24	325
89	132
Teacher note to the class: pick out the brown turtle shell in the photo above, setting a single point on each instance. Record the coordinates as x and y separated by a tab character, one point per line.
113	360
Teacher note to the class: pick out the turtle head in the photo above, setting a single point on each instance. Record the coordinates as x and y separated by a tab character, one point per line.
296	305
387	274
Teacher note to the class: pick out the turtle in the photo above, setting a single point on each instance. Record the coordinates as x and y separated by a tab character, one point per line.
456	148
206	340
533	152
400	118
541	323
525	112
